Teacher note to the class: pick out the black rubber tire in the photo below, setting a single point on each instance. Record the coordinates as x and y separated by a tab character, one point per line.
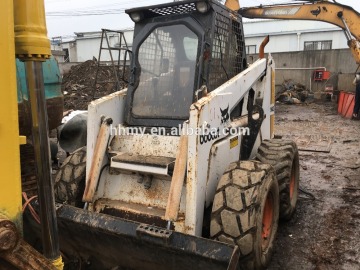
70	179
283	155
238	208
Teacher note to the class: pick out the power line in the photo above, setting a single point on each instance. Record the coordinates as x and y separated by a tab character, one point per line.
83	13
94	10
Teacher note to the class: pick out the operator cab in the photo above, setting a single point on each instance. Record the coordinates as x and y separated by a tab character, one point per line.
166	60
177	48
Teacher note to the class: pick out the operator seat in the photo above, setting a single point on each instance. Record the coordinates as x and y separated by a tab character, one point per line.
183	90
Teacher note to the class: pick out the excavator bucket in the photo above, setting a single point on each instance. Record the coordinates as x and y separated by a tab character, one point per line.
108	242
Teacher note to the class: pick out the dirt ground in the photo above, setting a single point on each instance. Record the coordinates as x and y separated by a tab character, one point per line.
324	233
79	88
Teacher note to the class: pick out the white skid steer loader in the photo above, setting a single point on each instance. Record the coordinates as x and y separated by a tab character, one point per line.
181	168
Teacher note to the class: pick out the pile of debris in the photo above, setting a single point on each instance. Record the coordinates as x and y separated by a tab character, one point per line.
79	87
292	93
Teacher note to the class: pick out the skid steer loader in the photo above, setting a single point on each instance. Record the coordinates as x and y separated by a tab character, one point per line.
181	170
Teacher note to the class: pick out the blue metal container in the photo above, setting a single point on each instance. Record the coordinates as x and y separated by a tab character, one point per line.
53	95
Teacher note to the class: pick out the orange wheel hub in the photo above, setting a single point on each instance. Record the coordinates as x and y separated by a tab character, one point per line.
292	182
267	221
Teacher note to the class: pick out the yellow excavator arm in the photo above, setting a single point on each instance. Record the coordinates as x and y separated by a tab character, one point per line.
331	12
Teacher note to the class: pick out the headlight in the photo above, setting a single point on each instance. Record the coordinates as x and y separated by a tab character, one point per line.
202	7
136	16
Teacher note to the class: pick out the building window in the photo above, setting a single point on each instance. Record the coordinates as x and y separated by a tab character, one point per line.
317	45
250	49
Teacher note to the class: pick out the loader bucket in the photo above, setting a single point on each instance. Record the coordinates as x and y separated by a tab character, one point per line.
109	242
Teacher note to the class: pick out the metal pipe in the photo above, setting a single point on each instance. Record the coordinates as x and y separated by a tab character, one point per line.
298	39
346	30
50	240
262	47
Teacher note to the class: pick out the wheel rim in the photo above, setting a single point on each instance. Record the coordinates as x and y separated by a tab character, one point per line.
292	181
267	221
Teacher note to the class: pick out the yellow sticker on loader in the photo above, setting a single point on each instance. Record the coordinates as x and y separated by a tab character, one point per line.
234	142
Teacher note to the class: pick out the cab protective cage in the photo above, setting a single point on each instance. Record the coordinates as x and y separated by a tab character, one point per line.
178	48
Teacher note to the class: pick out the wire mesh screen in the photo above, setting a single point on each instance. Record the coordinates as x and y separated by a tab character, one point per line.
167	59
228	51
157	47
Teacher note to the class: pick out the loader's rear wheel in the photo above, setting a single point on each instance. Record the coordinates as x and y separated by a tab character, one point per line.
284	157
70	179
246	210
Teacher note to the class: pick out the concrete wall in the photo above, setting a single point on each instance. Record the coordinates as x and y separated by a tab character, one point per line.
340	63
58	55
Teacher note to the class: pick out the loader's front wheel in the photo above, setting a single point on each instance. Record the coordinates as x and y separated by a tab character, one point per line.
70	179
284	157
246	210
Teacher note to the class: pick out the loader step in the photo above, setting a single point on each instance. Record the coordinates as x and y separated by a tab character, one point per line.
143	164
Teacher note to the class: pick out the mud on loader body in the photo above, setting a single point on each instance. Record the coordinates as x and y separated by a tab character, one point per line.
170	180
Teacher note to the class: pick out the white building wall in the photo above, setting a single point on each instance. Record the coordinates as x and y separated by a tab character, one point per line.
337	37
71	46
88	47
280	43
289	35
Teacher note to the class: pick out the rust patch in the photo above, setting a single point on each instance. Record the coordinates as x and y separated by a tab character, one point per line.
99	154
138	217
17	252
134	212
153	193
177	181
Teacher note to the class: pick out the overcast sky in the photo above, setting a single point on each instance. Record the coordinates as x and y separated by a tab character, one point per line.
64	17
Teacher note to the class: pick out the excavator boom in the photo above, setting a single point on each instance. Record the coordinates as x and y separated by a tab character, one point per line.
316	11
331	12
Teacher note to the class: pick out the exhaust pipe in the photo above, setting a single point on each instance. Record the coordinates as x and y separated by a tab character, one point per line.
262	47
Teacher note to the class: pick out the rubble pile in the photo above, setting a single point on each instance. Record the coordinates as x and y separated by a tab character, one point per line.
292	93
78	84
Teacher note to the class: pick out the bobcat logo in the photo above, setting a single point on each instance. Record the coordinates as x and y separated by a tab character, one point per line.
225	115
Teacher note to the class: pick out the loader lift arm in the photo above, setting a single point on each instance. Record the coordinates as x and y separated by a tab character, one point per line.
335	13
